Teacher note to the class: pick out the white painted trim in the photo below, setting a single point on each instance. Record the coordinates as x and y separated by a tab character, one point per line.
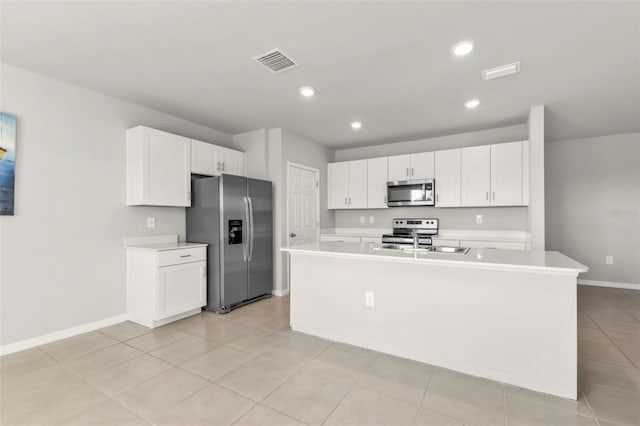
280	293
611	284
288	231
59	335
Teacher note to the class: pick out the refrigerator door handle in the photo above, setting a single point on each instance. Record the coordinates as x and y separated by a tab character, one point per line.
250	228
245	240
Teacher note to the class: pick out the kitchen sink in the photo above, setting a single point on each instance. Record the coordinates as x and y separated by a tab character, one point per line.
428	249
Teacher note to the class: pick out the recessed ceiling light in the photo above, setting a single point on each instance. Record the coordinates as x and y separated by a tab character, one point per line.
472	103
356	125
307	91
462	48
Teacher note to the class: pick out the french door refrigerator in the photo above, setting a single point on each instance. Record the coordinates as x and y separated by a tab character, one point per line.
233	215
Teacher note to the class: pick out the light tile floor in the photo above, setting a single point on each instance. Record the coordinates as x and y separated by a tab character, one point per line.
249	368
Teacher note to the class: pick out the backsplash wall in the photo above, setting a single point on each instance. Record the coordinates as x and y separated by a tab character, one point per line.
494	218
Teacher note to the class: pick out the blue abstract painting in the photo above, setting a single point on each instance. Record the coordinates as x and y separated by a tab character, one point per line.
7	162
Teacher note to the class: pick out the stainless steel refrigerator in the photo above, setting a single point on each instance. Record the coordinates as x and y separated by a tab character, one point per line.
233	215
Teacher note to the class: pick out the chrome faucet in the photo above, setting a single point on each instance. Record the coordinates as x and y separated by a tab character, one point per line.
416	240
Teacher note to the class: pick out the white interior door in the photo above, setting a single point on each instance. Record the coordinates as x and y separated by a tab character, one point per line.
302	201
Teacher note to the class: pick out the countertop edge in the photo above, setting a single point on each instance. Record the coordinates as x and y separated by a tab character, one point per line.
441	262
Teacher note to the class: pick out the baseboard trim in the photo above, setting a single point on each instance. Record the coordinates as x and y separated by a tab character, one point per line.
611	284
59	335
280	292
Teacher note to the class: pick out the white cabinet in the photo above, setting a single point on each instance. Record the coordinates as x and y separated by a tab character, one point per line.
494	175
212	160
475	176
231	161
422	165
377	183
164	286
158	168
447	178
347	185
338	185
411	166
506	174
203	158
399	167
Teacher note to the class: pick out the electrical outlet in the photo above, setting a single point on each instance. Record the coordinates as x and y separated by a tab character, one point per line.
372	219
361	219
479	219
369	299
608	260
151	222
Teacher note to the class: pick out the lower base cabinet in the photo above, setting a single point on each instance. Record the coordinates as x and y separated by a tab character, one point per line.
164	286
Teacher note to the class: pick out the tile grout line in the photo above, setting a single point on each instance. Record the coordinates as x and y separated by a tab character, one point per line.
593	413
424	394
614	344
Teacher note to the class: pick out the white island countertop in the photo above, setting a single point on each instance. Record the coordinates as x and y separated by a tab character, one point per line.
520	260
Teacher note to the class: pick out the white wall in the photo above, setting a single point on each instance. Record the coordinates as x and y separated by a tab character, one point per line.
495	218
593	204
254	145
62	261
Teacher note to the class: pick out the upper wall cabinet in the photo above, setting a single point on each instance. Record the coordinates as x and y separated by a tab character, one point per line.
447	176
411	166
204	158
506	174
475	176
494	175
211	160
347	185
158	168
377	183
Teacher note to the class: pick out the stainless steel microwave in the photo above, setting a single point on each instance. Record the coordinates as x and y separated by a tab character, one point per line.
419	192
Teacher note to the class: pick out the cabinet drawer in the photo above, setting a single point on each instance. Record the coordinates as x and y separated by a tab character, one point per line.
493	245
186	255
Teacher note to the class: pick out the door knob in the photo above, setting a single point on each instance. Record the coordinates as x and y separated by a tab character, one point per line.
292	235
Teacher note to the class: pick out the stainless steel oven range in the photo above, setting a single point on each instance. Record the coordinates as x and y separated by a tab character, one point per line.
412	232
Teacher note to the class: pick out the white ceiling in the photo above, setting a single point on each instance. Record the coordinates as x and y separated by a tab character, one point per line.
387	64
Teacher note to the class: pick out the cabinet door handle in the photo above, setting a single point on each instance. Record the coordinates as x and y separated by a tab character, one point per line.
487	195
412	171
345	201
218	165
223	166
436	197
407	171
494	195
185	255
349	200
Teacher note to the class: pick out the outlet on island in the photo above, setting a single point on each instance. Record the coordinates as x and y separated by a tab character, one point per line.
369	299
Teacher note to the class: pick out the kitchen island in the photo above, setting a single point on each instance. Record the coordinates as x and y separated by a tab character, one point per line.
506	315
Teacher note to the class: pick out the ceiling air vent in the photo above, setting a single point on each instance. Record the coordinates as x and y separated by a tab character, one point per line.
276	61
501	71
